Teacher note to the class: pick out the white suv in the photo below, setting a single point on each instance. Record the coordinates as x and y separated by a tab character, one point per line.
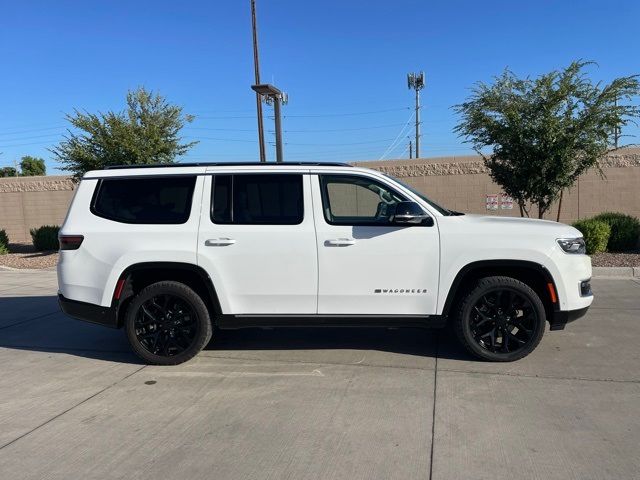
172	252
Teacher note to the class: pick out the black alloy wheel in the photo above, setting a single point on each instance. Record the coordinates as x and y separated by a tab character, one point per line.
167	323
501	319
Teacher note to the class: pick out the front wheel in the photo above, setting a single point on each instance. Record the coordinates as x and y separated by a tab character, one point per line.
501	319
167	323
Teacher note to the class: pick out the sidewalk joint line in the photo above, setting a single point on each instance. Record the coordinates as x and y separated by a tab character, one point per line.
541	377
204	354
69	409
29	319
433	413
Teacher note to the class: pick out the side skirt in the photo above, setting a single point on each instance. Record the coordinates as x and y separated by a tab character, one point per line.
231	322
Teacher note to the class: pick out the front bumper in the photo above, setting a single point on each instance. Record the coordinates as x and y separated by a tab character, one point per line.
89	312
559	319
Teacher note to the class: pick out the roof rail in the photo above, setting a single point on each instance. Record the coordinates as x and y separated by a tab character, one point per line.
228	164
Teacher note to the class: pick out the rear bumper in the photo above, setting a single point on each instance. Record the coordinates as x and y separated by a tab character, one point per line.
89	312
560	318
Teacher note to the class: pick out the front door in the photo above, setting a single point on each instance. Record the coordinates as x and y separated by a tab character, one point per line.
368	265
257	242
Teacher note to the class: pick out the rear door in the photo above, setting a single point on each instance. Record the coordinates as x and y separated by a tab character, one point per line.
257	242
367	265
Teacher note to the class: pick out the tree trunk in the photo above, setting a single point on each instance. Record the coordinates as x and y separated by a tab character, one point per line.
559	206
523	209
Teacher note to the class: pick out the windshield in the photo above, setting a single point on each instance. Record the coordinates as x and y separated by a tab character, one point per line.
440	209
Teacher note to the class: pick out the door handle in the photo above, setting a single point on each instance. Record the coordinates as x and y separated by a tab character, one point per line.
340	242
219	242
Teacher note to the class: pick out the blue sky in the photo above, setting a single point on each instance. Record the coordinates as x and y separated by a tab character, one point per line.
343	64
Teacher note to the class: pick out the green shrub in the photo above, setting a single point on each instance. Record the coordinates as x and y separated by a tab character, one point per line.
45	237
596	234
625	231
4	243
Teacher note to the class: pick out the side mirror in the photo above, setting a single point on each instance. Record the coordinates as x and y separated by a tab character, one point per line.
410	213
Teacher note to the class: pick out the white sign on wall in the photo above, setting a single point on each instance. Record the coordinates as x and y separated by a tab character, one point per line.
492	202
506	202
502	201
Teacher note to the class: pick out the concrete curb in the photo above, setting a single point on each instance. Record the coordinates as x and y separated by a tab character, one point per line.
11	269
616	272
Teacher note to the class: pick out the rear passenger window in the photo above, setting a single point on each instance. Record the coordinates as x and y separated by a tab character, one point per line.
262	199
154	200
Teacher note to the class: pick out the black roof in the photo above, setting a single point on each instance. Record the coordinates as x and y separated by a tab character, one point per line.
229	164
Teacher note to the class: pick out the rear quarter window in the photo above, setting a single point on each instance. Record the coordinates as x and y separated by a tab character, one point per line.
151	200
258	199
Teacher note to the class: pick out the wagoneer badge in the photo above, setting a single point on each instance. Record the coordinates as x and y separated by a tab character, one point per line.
401	290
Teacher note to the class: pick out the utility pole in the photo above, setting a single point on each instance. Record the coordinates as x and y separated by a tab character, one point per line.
410	149
256	65
416	81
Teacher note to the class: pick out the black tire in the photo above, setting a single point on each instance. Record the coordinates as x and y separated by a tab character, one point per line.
167	323
500	319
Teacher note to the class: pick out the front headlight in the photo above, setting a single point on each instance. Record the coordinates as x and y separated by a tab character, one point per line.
573	245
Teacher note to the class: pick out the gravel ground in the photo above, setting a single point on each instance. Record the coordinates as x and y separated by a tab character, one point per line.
25	256
628	259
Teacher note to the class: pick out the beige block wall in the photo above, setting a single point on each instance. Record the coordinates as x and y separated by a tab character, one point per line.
28	202
459	183
462	183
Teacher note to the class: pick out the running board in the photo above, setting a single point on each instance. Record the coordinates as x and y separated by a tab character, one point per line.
230	322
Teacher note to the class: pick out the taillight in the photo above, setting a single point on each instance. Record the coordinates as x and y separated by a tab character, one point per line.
70	242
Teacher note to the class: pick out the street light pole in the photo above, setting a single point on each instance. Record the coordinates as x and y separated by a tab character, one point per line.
273	94
256	66
276	111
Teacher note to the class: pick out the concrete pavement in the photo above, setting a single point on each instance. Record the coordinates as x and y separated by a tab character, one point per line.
316	404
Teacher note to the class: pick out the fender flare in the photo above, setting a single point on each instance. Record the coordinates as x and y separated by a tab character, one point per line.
179	266
487	264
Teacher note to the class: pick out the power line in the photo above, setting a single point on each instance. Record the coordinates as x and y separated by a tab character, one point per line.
220	139
338	144
221	129
346	114
206	117
401	134
24	144
287	143
31	138
31	130
311	130
404	151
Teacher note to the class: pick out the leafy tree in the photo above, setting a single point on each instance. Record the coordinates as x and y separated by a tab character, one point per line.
545	132
32	166
7	172
147	132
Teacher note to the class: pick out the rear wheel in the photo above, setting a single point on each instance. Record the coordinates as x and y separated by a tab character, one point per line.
501	319
167	323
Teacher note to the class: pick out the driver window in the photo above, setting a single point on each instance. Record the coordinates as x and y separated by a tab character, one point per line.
355	200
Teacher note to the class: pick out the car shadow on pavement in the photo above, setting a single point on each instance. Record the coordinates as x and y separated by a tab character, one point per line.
37	324
420	342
